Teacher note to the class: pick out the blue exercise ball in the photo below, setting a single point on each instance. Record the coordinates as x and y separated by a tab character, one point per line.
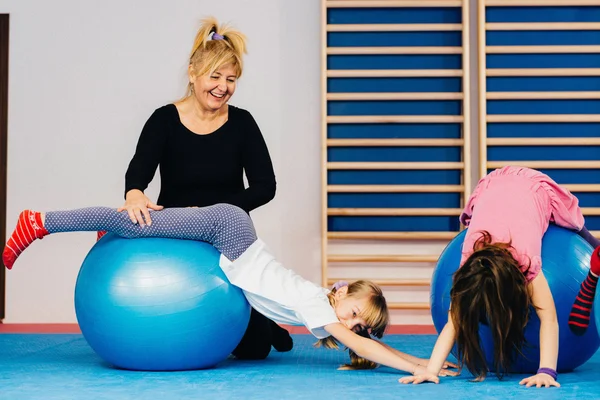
157	304
565	262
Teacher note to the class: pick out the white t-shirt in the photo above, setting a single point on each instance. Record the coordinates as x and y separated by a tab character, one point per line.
279	293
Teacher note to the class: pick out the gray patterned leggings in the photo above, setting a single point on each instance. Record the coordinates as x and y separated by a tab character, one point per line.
225	226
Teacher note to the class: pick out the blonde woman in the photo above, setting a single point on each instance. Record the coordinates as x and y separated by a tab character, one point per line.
203	147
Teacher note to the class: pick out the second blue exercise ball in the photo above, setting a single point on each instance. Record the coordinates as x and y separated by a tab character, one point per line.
158	304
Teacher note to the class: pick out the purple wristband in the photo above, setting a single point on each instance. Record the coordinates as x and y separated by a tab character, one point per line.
548	371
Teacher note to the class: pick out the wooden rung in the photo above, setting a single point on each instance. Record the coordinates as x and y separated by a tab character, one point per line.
547	164
543	72
541	95
393	212
544	141
543	118
590	211
393	73
595	233
542	26
582	187
392	3
391	235
408	306
542	49
367	165
395	188
393	27
378	50
394	142
394	119
395	96
541	3
386	282
425	258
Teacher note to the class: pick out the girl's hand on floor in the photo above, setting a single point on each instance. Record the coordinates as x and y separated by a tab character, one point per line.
539	380
420	375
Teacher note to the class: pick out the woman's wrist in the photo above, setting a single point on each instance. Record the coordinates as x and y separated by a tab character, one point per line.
133	192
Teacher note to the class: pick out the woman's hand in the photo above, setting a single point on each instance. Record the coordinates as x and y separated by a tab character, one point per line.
138	205
539	380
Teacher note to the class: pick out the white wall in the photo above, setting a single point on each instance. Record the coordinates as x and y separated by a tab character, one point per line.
85	76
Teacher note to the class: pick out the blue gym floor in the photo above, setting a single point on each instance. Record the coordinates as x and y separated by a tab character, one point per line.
60	366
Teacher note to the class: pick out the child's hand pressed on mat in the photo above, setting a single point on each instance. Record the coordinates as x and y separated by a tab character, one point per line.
539	380
420	375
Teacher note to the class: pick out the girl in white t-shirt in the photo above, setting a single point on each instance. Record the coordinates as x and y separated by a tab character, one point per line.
349	313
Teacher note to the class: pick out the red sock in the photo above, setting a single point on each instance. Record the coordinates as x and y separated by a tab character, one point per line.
579	319
595	262
29	227
99	235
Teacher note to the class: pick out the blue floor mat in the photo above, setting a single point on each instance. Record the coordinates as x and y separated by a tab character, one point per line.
64	367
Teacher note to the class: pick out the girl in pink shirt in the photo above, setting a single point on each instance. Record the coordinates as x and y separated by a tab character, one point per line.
501	274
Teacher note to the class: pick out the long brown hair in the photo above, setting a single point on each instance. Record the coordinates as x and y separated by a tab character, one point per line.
376	316
491	289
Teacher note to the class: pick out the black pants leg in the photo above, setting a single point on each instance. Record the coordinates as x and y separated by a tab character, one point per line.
261	334
256	343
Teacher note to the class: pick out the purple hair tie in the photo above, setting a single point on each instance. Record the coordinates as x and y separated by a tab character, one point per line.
548	371
216	36
339	284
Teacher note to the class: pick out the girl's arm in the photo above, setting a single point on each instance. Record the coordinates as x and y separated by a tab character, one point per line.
416	360
375	351
543	301
371	349
440	353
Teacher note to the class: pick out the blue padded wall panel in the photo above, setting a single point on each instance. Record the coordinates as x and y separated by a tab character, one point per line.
573	60
391	131
400	177
374	39
543	84
532	38
588	199
390	224
393	154
543	107
543	14
395	61
391	107
425	15
543	153
538	129
394	200
390	85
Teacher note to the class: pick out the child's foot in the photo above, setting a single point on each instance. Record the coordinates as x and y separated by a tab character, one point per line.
579	320
29	227
99	235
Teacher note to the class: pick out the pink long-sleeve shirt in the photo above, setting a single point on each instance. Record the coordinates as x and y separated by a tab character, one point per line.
517	204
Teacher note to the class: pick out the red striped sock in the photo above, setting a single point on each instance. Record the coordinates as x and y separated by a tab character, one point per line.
29	228
579	319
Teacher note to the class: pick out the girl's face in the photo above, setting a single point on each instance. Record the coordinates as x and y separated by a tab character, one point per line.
349	309
214	90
